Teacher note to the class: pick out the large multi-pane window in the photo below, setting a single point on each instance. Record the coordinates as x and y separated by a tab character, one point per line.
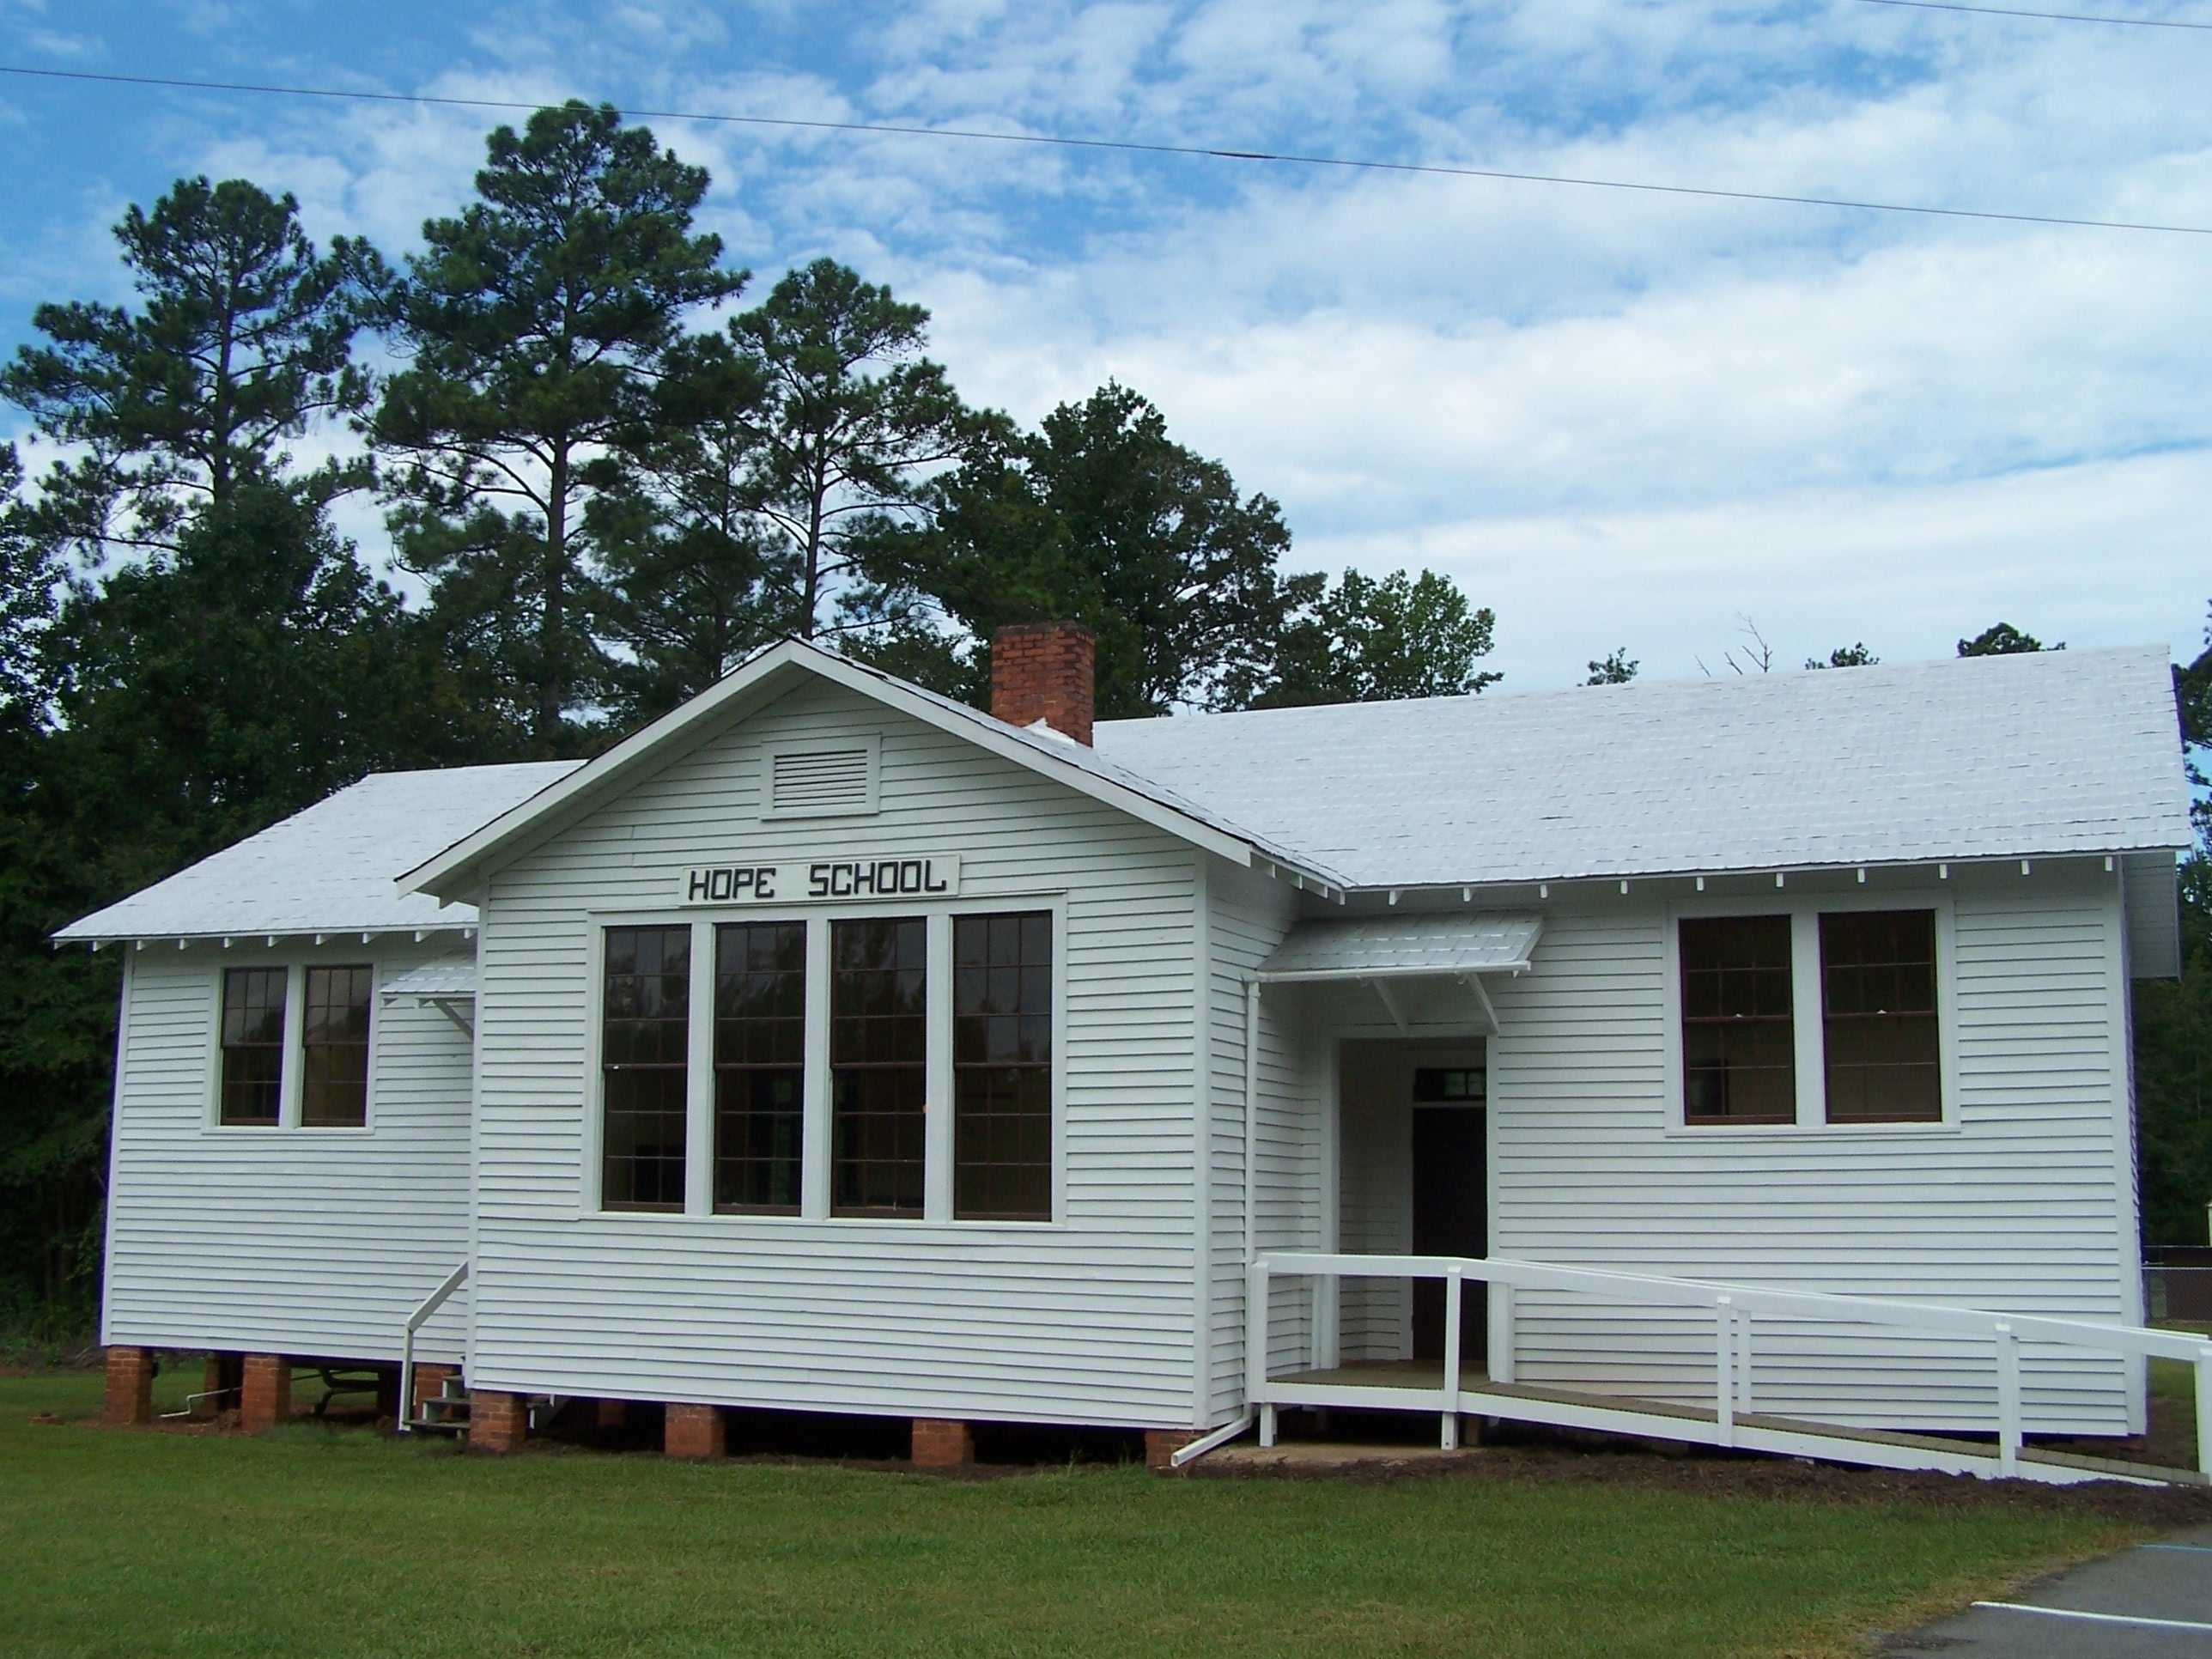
644	1042
878	1041
1878	1017
1002	1067
760	1064
334	1048
252	1047
1738	1028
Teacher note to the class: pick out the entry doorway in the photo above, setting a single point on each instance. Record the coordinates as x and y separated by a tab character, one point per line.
1451	1203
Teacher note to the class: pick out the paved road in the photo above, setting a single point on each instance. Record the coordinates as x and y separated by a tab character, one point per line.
2152	1602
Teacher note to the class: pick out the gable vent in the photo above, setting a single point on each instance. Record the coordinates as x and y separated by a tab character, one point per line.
820	779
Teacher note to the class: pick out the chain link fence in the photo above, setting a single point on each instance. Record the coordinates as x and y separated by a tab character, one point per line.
2178	1284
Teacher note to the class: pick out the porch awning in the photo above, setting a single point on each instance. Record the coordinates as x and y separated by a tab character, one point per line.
435	980
1440	945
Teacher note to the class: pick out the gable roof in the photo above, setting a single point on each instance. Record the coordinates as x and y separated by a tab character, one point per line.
2068	752
328	869
2058	752
768	675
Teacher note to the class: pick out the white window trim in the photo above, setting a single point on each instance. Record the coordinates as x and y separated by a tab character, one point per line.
873	803
292	1061
815	1132
1804	912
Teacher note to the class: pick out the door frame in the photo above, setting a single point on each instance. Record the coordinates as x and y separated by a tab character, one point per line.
1433	1047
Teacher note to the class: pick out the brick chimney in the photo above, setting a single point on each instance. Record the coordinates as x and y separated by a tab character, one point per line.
1043	671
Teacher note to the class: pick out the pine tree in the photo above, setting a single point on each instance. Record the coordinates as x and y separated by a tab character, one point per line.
531	320
242	340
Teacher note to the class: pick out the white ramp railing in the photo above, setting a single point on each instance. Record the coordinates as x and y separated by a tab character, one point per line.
429	1304
1733	1308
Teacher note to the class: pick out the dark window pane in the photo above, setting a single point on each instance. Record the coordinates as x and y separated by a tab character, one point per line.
252	1090
334	1048
1002	1067
1738	1043
878	1036
645	1035
1878	1017
760	1058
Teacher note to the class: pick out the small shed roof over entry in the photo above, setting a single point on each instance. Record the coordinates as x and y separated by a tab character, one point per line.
1385	952
1383	947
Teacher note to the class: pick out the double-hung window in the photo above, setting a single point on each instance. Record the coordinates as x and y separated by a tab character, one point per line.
760	1065
645	1036
875	1067
1810	1016
252	1047
1002	1067
256	1087
878	1065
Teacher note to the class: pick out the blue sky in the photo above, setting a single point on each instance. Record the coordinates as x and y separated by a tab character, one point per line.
1619	419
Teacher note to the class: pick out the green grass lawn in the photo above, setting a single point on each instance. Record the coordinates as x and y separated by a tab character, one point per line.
315	1543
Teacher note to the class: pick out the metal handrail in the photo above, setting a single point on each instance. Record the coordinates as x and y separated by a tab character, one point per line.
1734	1306
416	1321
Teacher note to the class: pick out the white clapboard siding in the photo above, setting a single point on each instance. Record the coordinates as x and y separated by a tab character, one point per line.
293	1241
1089	1320
1249	914
2021	1206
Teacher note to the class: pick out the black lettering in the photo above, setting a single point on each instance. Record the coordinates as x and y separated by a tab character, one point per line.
929	883
698	887
817	880
841	881
863	878
718	884
764	881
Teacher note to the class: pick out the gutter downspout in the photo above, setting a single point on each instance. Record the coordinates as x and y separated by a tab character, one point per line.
1243	1420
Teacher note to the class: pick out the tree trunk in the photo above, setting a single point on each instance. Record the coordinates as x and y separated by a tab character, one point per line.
551	623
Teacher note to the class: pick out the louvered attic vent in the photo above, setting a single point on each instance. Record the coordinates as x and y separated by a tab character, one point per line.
822	780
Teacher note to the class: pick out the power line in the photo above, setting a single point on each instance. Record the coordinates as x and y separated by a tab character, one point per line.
2043	16
1137	147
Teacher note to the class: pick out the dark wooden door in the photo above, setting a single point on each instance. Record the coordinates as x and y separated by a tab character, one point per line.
1451	1217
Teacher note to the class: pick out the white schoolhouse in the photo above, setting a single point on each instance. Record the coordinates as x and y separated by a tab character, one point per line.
1741	1061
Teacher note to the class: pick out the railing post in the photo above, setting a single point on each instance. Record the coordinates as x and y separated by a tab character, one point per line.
2007	1400
406	1377
1455	1291
2204	1408
1724	1390
1743	1364
1501	1362
1256	1347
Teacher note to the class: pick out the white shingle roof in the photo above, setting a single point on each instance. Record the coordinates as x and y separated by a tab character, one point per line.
2072	751
1483	942
330	868
2075	751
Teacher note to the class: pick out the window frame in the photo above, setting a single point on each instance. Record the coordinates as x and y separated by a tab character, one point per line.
292	1091
1804	909
815	1174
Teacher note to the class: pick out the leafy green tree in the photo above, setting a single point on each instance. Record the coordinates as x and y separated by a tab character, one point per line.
532	320
198	696
1617	667
242	340
853	423
2004	640
694	578
1845	656
1100	517
1370	641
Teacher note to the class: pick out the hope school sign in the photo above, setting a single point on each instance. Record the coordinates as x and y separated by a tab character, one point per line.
936	876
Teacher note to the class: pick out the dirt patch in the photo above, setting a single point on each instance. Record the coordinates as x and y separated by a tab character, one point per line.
1726	1475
